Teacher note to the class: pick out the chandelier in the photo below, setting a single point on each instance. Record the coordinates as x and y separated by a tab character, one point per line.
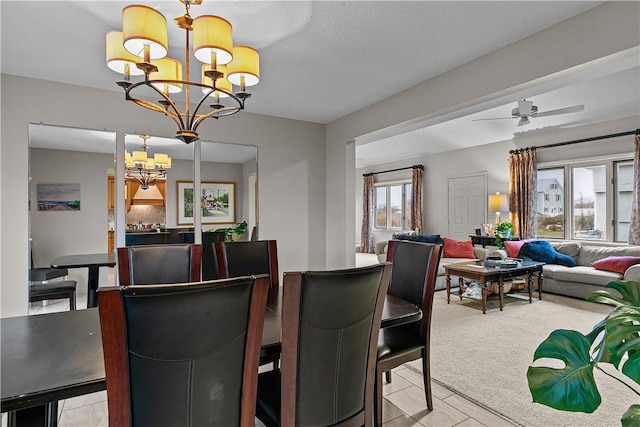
146	169
143	42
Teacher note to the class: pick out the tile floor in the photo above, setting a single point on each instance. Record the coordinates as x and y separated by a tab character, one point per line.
404	402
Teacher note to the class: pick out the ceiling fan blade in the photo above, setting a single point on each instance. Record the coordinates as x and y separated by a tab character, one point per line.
574	109
493	118
523	121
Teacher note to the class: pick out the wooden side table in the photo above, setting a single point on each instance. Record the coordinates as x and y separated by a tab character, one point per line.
487	240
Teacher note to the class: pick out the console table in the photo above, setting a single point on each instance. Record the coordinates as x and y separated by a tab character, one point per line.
487	240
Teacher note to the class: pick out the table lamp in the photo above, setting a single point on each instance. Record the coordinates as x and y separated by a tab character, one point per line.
498	203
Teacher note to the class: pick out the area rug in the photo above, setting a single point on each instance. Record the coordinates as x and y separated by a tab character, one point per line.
485	357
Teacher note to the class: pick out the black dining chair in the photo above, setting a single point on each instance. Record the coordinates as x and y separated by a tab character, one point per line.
183	354
415	268
330	324
247	258
43	285
209	270
157	264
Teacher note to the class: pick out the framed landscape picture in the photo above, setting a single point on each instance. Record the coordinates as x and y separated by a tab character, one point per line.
58	197
217	201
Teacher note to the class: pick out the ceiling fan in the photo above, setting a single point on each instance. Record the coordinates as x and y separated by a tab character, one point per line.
526	109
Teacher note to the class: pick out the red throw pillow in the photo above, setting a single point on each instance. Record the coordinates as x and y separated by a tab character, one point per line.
513	247
457	249
616	264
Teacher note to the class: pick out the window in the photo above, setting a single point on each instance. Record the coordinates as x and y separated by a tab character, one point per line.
393	206
596	196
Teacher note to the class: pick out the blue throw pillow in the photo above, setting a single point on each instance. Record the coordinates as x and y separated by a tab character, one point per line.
423	238
566	260
538	250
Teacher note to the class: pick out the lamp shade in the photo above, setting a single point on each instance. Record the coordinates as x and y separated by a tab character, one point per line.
212	35
245	63
139	158
168	69
144	26
221	83
161	160
118	57
498	203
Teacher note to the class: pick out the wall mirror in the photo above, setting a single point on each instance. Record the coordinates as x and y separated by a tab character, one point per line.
84	157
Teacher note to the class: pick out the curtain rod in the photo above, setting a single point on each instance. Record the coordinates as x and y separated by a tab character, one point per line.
394	170
578	141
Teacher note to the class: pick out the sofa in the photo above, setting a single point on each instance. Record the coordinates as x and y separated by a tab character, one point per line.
479	252
584	279
578	281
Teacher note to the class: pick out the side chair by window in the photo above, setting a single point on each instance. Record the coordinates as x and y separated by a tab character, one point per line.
158	264
330	322
247	258
415	268
183	354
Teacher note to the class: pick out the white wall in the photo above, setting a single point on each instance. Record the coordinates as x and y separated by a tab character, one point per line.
292	167
571	46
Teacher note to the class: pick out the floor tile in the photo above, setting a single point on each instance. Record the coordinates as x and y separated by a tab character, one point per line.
397	383
87	399
402	421
94	415
470	422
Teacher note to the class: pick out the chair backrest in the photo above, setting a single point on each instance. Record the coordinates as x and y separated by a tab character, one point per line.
415	270
246	258
183	354
158	264
209	270
331	321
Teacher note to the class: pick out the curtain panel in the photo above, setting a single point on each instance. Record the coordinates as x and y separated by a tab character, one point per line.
366	236
523	192
416	199
634	227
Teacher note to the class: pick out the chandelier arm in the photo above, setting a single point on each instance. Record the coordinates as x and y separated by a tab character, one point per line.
175	114
199	118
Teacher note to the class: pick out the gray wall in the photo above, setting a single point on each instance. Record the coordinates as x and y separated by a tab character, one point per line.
291	163
574	46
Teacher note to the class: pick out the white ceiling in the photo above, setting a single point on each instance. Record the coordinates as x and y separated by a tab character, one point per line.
320	60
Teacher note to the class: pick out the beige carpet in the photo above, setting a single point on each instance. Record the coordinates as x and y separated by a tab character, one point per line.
485	357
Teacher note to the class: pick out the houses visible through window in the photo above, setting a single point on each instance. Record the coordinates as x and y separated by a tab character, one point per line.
596	198
393	205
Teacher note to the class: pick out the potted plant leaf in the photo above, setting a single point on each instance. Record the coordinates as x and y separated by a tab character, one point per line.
234	233
502	230
614	340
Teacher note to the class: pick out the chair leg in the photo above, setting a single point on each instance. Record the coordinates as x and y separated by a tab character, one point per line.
387	376
426	376
377	391
72	301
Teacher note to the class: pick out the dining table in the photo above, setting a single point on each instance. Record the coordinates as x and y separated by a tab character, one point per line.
56	356
91	261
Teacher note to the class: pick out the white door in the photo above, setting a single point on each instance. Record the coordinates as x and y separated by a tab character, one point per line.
467	205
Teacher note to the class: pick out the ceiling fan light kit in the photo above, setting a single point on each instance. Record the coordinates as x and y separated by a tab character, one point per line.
141	48
526	109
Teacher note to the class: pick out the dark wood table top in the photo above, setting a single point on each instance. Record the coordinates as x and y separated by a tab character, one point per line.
85	260
49	357
477	268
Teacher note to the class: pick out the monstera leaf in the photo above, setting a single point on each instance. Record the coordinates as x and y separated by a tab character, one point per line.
614	340
571	388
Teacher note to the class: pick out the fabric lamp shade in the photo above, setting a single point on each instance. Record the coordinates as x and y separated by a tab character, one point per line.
151	164
498	203
139	157
212	35
245	64
128	160
168	69
118	57
144	26
221	83
162	160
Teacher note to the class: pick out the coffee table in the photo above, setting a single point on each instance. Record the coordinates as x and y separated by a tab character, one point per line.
476	270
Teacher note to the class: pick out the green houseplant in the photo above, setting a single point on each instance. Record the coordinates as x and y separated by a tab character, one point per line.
502	230
234	233
614	340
